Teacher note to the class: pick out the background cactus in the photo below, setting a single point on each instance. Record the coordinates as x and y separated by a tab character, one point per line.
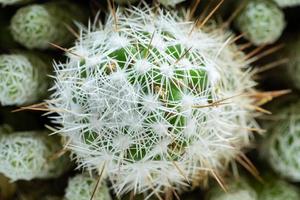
236	190
281	147
27	155
287	3
81	187
38	25
138	100
261	21
23	79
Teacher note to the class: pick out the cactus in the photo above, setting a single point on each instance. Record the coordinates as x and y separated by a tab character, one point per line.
81	187
170	2
287	3
137	99
27	155
261	21
23	79
275	189
38	25
237	190
281	148
12	2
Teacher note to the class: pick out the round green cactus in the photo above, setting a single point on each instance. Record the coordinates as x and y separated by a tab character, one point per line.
81	187
38	25
237	190
23	79
139	100
281	147
27	155
287	3
261	21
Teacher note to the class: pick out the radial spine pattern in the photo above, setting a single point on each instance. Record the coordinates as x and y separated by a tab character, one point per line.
144	99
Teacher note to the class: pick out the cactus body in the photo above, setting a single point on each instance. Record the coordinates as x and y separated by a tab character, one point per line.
138	101
261	21
23	79
81	187
36	26
25	156
281	148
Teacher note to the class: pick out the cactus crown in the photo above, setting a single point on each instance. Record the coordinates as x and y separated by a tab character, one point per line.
22	79
138	100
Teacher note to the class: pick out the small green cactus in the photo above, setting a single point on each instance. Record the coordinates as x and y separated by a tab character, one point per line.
81	187
261	21
28	155
287	3
36	26
281	147
237	190
23	79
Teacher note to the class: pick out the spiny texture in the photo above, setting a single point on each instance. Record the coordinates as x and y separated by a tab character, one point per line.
261	21
12	2
281	147
27	155
275	189
81	187
145	100
23	79
36	26
287	3
237	190
170	2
